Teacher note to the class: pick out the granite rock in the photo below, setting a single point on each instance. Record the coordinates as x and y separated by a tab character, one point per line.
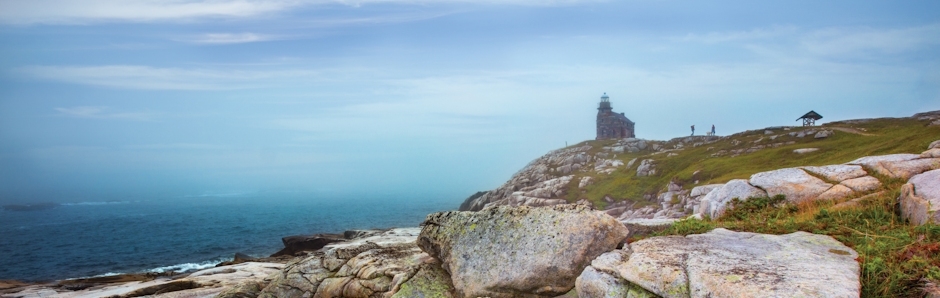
366	267
723	263
837	173
862	184
518	251
793	183
920	198
716	202
932	153
908	168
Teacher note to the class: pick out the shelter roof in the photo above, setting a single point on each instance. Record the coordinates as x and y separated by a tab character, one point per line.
812	115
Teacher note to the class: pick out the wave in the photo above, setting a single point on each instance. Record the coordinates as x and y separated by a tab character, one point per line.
178	268
99	275
95	203
189	267
218	195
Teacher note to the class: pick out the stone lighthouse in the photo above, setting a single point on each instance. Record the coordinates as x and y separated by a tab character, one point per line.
612	125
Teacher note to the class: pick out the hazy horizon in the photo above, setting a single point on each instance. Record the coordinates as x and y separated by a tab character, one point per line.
137	100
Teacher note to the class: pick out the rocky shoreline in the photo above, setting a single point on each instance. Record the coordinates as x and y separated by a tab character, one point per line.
520	251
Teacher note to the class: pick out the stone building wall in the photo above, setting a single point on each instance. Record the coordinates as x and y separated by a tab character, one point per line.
611	125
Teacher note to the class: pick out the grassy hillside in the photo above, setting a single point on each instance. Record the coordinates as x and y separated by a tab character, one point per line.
896	258
716	163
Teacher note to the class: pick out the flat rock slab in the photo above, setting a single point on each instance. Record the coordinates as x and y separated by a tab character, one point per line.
724	263
716	202
794	183
836	192
862	184
898	165
908	168
519	251
872	161
205	283
920	198
838	172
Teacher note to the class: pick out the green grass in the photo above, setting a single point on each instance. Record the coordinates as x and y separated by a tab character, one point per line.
695	165
894	256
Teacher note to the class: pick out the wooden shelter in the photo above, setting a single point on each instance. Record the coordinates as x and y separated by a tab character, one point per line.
810	118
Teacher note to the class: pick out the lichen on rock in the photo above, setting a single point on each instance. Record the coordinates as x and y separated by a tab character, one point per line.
518	251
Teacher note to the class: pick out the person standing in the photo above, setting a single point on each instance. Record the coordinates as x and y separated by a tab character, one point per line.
713	129
693	129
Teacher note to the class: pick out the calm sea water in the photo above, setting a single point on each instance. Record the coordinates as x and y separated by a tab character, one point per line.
101	238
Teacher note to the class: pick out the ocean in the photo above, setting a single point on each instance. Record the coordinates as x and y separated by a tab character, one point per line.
181	234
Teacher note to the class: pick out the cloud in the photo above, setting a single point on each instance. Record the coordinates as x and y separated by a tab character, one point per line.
177	146
731	36
80	12
25	12
100	112
230	38
152	78
842	41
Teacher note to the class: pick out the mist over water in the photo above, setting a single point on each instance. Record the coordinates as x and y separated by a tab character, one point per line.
95	238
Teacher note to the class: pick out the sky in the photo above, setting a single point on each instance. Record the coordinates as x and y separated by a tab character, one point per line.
146	99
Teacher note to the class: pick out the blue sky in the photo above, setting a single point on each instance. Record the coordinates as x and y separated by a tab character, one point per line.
135	99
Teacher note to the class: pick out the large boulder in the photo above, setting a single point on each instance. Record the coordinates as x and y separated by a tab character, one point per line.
920	198
716	202
368	267
793	183
519	251
724	263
